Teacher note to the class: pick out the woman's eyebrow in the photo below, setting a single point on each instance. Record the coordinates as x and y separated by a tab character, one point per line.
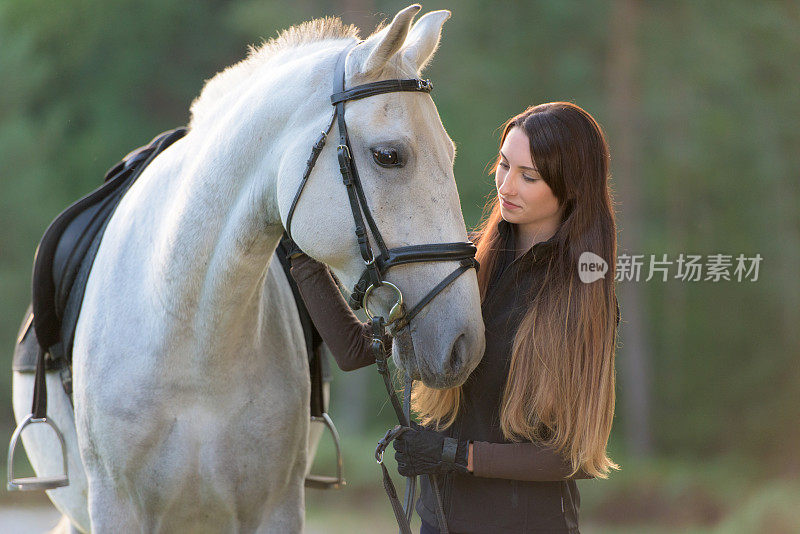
521	166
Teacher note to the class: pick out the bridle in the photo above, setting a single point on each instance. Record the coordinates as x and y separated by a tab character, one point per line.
375	266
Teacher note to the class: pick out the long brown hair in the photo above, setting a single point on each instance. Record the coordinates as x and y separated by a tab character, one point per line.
560	387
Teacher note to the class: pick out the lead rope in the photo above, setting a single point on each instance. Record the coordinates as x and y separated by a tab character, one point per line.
403	516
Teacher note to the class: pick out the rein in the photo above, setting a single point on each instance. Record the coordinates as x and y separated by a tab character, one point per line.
403	513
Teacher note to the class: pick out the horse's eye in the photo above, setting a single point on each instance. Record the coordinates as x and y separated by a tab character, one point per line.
386	157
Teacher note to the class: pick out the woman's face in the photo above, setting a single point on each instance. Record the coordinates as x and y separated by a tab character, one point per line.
525	198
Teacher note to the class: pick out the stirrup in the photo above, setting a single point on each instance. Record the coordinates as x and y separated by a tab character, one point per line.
35	483
324	481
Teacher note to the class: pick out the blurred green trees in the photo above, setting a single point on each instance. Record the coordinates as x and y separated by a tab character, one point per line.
716	95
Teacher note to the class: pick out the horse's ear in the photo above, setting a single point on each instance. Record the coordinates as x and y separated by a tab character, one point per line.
380	47
424	38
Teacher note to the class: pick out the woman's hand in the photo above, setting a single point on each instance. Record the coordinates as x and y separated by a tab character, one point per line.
426	452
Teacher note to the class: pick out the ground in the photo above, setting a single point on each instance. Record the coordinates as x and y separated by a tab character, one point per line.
722	495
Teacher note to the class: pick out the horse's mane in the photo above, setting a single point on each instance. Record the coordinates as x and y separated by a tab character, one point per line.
312	31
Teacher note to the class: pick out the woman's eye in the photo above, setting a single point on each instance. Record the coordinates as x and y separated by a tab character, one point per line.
386	157
529	178
504	164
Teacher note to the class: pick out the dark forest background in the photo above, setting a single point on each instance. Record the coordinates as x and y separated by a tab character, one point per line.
700	102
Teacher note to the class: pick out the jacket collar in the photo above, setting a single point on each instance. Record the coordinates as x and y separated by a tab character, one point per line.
532	259
538	251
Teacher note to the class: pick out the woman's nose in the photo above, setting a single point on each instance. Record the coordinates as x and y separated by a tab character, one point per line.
506	185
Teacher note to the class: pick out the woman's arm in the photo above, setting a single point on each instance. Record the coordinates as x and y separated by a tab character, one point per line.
346	336
518	461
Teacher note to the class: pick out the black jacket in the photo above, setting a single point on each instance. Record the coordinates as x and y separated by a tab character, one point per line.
488	505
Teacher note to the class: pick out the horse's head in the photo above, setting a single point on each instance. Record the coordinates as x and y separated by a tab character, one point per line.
404	159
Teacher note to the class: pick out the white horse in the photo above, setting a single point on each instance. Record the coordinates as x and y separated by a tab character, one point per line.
191	379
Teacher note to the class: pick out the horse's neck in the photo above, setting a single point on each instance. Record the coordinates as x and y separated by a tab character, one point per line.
211	248
217	221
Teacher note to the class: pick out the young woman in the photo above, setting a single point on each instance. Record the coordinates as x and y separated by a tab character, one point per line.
536	413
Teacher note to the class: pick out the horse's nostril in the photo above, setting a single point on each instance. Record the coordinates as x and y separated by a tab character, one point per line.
457	354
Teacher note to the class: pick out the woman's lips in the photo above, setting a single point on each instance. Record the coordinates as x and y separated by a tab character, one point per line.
508	205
